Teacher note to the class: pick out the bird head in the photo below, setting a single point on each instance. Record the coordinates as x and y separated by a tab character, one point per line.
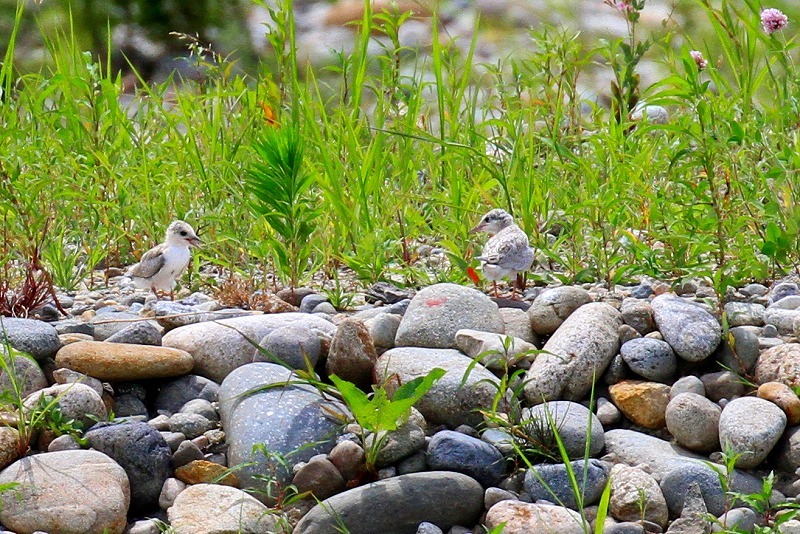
180	233
494	221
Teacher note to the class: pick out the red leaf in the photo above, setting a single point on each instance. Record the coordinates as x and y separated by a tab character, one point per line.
473	276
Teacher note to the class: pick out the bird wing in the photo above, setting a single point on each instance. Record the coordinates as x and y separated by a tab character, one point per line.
152	262
505	246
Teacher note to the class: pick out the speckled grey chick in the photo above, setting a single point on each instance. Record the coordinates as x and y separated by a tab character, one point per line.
508	252
162	264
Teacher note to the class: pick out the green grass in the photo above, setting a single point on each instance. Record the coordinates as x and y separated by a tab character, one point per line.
403	149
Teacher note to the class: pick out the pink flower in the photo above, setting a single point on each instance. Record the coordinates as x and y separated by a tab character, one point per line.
773	20
623	6
698	58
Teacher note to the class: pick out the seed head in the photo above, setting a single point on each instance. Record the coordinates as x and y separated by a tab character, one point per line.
773	20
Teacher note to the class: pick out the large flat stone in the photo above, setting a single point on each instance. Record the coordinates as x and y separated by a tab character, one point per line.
398	505
124	361
437	312
577	354
219	347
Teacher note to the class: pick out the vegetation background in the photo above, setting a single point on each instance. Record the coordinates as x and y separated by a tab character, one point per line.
403	148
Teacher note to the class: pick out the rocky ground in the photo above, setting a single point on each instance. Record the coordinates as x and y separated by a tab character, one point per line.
188	396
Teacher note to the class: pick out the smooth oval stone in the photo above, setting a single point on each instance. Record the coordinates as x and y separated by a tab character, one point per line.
143	454
572	421
454	451
576	355
751	427
398	505
352	354
258	409
69	492
121	361
294	345
138	333
693	420
77	401
650	358
526	518
37	338
27	373
437	312
692	332
552	306
212	509
638	314
644	403
551	482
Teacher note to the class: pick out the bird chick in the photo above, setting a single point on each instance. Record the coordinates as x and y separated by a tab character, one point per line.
162	264
507	253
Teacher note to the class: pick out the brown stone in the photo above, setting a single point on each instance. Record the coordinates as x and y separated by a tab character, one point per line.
783	396
644	403
74	337
320	478
269	303
352	353
9	446
205	472
124	361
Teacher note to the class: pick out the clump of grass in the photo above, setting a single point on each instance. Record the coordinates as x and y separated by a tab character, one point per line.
282	198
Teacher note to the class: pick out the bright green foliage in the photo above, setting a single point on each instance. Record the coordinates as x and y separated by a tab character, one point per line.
404	150
377	414
281	192
380	413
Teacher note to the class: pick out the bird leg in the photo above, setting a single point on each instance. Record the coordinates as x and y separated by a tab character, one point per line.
172	294
155	292
494	284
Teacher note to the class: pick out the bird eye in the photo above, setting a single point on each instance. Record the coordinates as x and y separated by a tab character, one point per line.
183	233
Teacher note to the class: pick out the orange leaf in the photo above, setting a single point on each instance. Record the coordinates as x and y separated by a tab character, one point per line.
269	114
473	276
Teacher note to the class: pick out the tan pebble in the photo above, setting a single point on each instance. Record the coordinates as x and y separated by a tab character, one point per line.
204	472
644	403
784	397
66	339
124	361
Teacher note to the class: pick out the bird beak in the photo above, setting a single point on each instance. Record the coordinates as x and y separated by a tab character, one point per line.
476	229
194	241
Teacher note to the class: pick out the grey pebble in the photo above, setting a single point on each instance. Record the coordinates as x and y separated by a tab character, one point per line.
189	424
185	453
311	301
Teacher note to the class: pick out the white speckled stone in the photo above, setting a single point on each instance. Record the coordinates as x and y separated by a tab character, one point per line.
286	419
